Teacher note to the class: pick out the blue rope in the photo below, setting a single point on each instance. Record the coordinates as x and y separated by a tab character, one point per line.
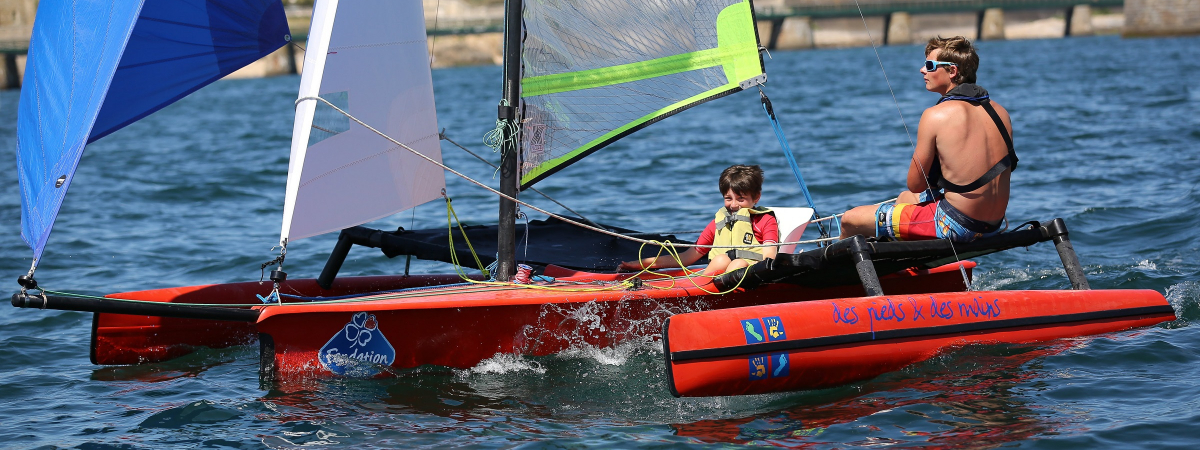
787	152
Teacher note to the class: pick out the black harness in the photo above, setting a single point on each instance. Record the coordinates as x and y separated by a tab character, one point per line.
976	96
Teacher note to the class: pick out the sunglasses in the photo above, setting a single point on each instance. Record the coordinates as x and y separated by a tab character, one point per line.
931	65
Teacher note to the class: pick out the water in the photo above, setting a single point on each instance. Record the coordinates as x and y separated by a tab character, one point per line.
1106	130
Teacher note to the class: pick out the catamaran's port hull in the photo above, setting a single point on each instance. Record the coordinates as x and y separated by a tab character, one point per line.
121	339
819	344
454	326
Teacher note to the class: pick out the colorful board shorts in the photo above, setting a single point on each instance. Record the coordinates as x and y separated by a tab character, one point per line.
929	220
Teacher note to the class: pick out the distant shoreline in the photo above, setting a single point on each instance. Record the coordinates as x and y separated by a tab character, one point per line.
485	48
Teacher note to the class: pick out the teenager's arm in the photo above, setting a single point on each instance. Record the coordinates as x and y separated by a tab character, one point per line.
926	151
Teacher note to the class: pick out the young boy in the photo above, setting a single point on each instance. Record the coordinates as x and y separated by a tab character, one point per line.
740	222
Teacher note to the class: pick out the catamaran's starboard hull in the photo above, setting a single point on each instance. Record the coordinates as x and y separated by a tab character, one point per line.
819	344
454	326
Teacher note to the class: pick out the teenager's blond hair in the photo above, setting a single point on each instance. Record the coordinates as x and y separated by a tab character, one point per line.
957	50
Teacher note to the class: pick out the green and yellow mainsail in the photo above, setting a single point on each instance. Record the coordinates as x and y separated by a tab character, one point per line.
594	71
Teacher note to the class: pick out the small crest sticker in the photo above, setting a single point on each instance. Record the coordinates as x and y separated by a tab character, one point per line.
753	330
748	238
779	365
758	367
775	331
359	349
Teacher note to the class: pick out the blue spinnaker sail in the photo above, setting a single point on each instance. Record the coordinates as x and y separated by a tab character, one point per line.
97	65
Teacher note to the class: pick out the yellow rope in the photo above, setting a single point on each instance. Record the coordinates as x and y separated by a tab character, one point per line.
690	275
450	235
452	220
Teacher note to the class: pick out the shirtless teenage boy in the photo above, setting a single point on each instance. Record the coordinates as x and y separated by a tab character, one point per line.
964	148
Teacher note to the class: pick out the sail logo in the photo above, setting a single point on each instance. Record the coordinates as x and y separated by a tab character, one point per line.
358	350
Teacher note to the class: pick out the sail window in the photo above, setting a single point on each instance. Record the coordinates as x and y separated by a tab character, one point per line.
327	122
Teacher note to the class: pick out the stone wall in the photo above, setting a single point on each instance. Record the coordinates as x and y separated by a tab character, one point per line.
1162	17
448	51
1141	18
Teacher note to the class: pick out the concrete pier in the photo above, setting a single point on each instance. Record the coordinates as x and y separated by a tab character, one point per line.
1161	18
796	33
467	49
898	29
766	28
990	26
1079	21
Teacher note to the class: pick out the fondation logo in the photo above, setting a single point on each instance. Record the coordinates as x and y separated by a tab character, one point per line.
359	350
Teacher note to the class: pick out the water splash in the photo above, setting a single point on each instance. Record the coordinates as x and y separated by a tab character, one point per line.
1185	298
504	363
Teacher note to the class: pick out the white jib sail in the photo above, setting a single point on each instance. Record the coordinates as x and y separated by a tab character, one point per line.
370	58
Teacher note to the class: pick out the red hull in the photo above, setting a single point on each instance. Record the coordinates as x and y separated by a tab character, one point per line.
451	326
126	339
818	344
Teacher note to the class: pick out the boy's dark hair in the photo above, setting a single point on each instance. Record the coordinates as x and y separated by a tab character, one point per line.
957	50
745	180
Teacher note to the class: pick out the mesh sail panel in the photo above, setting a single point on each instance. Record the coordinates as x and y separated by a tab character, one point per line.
597	70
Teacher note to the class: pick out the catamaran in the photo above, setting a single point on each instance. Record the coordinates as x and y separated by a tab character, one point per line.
577	77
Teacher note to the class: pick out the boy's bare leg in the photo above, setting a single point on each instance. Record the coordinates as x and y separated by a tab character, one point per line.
717	265
737	264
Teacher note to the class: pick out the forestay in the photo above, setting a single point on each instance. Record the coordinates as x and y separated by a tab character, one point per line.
597	70
97	66
369	58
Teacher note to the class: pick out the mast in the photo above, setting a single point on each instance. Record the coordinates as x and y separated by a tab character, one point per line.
506	234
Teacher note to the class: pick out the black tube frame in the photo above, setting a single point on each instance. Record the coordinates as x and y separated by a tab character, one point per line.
140	308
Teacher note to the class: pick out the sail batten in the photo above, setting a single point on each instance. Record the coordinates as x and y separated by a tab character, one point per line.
592	77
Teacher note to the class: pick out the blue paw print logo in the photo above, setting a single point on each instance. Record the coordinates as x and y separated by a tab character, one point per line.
359	349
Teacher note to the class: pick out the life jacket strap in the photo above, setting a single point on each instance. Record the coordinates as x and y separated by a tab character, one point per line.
737	253
1009	162
731	219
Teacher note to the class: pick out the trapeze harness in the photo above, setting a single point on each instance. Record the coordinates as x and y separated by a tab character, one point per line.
736	229
976	96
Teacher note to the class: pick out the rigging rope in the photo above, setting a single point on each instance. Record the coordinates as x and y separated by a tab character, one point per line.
519	202
443	136
433	42
791	159
920	166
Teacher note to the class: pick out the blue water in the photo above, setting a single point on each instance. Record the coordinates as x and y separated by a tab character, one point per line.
1107	130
